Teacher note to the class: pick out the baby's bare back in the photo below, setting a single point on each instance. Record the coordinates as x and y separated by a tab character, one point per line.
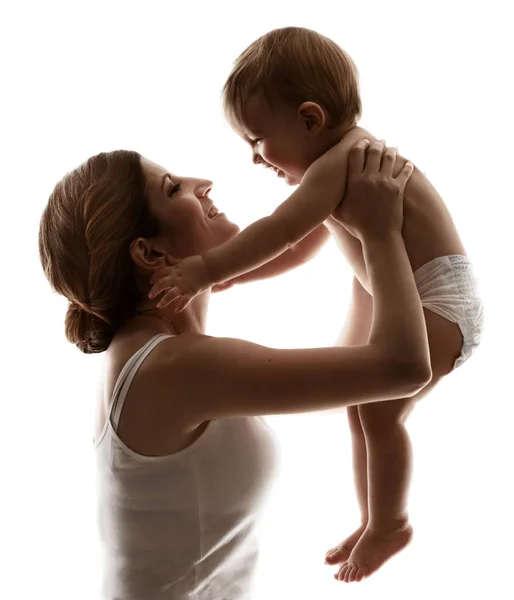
429	232
428	229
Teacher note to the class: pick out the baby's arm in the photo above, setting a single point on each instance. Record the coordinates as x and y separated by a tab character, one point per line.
295	256
320	191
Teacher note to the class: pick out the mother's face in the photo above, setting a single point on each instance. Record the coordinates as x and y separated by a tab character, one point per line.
189	221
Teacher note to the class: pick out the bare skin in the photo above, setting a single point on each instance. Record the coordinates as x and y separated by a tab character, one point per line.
382	451
288	142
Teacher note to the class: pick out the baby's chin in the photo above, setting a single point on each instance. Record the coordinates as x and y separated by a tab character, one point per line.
292	179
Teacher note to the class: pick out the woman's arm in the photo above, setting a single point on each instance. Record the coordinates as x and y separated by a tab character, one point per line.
224	378
229	378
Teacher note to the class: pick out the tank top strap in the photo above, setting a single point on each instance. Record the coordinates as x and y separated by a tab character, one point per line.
127	375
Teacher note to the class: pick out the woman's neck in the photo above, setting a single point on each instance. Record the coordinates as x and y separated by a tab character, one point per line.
190	320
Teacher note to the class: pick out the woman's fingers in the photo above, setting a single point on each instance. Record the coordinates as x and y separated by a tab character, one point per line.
404	175
374	156
357	157
388	160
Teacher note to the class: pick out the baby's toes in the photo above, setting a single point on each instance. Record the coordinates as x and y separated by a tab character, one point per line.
351	573
336	555
340	575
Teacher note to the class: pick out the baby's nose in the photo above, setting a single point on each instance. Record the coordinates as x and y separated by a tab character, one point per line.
257	158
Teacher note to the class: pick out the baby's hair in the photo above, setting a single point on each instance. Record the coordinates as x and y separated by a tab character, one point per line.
294	65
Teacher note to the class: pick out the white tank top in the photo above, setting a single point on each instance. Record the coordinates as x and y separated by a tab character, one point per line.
182	526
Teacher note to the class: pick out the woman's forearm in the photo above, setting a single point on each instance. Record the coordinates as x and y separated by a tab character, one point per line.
398	319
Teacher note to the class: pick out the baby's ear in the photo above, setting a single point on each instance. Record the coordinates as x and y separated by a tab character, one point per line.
312	116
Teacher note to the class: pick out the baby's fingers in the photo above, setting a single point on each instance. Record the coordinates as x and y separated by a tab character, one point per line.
172	261
159	286
183	302
172	294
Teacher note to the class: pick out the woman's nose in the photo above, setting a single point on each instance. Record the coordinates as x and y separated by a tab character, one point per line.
204	187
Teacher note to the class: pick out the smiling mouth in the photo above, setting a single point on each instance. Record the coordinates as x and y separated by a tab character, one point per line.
277	171
213	211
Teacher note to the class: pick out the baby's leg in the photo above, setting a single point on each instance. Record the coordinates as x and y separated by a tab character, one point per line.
390	460
355	333
360	462
343	550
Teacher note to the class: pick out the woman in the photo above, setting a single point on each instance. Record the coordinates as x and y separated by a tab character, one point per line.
184	458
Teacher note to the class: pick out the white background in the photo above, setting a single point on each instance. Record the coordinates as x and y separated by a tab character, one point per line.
81	78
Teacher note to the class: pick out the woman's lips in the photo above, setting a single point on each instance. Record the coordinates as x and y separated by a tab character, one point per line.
213	212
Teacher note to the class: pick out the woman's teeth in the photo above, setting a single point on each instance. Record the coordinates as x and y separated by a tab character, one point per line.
213	211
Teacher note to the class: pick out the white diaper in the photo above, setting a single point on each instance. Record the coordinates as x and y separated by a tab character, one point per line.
448	286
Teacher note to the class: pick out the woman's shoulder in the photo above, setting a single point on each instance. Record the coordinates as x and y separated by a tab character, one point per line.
152	397
127	344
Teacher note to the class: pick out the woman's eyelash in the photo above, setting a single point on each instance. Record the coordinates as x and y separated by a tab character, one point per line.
174	189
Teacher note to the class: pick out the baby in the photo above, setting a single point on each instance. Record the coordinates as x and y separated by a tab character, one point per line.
293	96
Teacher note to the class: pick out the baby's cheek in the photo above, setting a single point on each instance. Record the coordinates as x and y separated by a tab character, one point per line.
269	154
288	162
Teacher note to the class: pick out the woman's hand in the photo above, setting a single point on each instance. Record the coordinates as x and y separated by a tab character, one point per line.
373	202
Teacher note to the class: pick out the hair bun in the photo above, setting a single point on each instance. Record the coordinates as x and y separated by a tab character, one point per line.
88	332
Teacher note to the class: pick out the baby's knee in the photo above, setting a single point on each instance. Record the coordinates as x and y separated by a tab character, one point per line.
382	418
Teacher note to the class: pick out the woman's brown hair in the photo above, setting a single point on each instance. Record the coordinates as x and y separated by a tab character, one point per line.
92	216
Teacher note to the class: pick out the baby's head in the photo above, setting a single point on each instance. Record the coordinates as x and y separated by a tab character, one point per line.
292	94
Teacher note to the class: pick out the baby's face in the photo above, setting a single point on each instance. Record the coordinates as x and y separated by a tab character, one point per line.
279	140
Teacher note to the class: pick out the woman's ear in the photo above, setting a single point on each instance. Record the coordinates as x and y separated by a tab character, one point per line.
147	254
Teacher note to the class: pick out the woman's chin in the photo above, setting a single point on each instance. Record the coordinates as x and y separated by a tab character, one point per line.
229	231
233	231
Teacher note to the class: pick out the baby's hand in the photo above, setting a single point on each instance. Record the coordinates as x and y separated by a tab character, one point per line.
221	287
182	279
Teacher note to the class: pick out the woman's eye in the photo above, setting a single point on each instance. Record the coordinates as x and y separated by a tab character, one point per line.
174	189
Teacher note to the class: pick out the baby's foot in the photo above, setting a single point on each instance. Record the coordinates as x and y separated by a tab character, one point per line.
341	552
371	552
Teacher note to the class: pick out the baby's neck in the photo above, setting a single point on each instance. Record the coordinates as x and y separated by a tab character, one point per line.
334	136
